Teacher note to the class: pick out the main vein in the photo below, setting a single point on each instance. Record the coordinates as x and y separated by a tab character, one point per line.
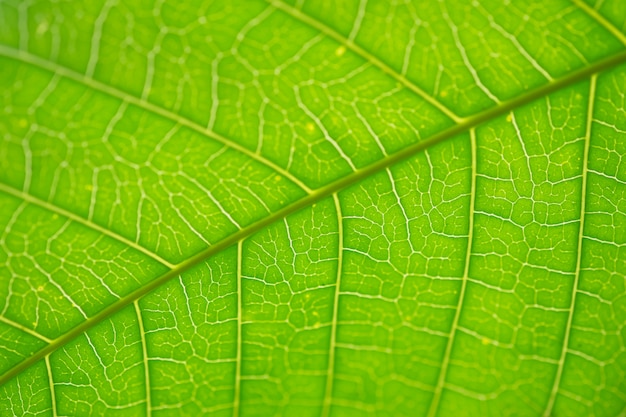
316	196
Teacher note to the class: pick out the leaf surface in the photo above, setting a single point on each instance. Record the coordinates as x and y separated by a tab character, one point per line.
313	208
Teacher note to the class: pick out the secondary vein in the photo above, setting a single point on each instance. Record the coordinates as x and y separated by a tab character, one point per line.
237	394
330	375
593	13
349	43
581	230
78	219
443	373
68	73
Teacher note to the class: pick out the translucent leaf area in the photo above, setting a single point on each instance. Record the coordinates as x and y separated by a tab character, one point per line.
313	208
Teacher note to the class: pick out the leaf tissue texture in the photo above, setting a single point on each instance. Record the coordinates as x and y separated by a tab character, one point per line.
313	208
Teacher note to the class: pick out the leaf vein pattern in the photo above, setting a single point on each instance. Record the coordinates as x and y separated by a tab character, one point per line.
314	197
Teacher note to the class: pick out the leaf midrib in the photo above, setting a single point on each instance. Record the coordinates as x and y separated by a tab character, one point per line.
317	196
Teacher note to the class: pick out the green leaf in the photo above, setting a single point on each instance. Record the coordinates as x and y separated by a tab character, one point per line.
313	208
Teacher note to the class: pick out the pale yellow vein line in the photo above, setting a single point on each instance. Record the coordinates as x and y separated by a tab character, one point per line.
328	394
62	212
144	104
595	15
53	396
326	30
434	405
237	399
583	198
144	348
25	329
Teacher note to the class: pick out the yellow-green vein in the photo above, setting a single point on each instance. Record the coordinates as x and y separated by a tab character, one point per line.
330	373
443	372
570	317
